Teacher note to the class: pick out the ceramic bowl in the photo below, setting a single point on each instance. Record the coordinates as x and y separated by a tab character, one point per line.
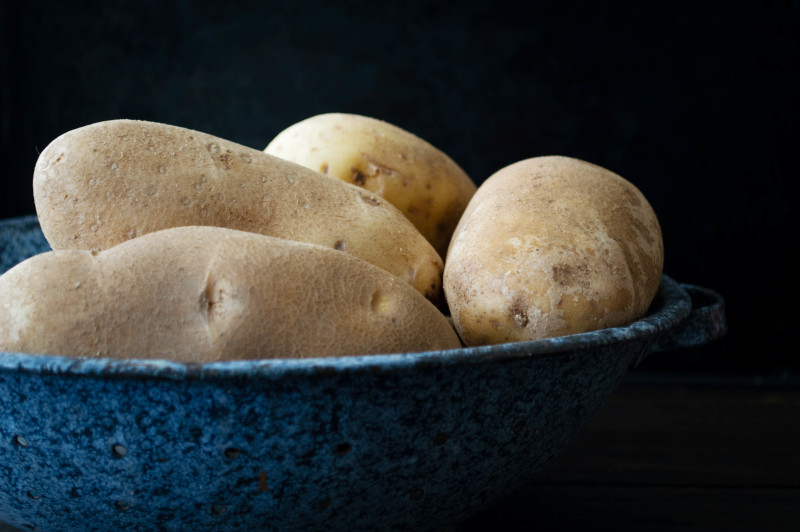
385	442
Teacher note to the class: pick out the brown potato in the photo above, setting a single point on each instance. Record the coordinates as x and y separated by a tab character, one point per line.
411	174
552	246
202	294
105	183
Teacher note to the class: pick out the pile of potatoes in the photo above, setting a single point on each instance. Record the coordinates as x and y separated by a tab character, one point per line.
175	244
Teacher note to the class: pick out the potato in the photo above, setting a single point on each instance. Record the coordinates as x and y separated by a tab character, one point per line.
108	182
552	246
202	294
421	181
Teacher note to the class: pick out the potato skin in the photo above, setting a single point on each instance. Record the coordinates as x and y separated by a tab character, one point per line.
551	246
102	184
411	174
202	294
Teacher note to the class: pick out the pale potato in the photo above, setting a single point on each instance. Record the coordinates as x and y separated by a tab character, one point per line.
203	294
411	174
552	246
108	182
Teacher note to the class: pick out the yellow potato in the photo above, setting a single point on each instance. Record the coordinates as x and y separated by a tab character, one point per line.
105	183
421	181
202	294
551	246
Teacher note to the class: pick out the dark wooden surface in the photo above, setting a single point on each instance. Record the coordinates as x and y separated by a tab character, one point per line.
670	452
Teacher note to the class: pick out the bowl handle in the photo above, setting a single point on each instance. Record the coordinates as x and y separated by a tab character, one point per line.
706	321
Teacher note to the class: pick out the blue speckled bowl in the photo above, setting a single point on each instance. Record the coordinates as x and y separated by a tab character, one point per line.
386	442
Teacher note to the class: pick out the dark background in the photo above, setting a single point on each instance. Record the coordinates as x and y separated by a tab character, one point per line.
696	106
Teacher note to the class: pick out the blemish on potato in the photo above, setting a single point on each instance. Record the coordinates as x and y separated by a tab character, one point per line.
519	312
226	159
213	148
340	245
358	177
380	301
246	158
562	274
53	163
206	302
370	200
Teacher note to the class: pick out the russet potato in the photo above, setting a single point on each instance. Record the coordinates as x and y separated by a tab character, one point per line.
203	294
105	183
411	174
551	246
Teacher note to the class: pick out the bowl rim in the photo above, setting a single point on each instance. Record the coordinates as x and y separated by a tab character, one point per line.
670	307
